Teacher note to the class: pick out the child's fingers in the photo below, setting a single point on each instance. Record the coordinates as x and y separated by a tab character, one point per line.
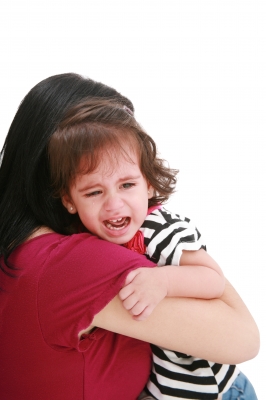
125	292
138	308
144	314
131	276
130	302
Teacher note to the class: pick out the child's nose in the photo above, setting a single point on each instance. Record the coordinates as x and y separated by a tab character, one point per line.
113	202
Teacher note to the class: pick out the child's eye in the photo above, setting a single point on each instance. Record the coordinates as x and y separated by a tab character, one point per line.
95	193
128	185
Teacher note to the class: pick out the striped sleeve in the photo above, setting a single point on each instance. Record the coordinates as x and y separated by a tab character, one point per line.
166	235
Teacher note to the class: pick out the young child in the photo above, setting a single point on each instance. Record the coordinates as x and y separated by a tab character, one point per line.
115	185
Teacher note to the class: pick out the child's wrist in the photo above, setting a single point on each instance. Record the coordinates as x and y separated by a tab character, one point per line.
164	279
170	272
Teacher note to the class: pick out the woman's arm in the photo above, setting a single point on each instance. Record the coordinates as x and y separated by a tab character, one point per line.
220	330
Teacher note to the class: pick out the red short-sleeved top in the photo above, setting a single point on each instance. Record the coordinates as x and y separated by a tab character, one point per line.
63	281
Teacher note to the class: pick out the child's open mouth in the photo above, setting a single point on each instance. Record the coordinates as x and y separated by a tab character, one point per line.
117	224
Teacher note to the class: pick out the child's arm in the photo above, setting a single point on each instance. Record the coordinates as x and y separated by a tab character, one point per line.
198	276
201	278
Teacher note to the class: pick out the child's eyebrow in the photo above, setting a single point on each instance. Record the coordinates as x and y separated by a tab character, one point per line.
95	184
129	177
88	187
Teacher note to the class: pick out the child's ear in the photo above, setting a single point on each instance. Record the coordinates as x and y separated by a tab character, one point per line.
150	191
68	203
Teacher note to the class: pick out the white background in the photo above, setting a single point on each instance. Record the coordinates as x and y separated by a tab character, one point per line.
195	71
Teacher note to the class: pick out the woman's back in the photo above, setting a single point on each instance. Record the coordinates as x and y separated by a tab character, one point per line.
62	283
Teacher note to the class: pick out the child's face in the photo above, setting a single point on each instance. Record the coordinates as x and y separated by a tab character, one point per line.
112	202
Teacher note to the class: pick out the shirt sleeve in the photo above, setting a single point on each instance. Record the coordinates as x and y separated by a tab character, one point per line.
81	275
166	235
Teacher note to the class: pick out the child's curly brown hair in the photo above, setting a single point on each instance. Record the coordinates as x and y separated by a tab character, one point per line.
96	127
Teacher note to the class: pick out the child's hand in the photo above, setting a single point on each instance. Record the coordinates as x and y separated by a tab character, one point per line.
144	289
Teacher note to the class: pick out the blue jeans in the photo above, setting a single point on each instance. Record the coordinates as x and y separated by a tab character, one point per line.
241	389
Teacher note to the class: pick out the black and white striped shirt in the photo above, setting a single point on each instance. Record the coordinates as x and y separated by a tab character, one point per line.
177	375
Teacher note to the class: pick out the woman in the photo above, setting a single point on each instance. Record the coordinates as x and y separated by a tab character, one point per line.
57	286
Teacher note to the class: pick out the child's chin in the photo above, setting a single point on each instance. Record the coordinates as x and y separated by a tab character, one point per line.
116	240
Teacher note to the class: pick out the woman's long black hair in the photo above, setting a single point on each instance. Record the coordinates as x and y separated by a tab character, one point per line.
26	200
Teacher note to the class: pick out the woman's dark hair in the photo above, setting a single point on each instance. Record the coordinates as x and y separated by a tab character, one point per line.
26	200
100	129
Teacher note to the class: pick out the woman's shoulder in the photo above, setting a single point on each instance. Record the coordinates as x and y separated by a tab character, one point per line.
46	247
75	260
47	238
81	250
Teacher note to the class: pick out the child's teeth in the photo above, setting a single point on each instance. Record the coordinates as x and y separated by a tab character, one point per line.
117	224
115	220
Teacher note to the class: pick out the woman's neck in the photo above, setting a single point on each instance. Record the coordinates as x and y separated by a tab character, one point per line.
40	231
